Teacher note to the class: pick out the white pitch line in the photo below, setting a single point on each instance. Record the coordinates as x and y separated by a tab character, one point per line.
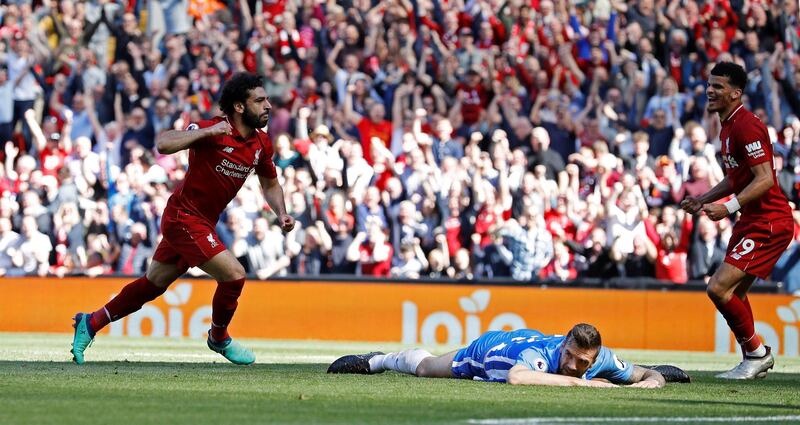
646	419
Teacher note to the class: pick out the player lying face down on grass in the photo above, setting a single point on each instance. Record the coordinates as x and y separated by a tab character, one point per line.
521	357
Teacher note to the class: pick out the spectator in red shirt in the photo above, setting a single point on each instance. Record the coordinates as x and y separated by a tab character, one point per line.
672	259
372	251
561	268
375	125
483	68
53	149
336	215
558	220
472	97
699	181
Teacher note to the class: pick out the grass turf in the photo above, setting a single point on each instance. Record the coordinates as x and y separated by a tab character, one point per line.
148	381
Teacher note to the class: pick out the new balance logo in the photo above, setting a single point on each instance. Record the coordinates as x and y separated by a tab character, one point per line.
211	240
227	149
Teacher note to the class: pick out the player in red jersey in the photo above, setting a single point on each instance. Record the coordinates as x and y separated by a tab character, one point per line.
765	226
223	152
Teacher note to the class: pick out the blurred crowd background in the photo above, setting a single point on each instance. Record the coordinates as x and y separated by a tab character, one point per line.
528	140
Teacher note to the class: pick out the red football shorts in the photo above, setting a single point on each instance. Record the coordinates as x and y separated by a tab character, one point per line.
187	241
755	247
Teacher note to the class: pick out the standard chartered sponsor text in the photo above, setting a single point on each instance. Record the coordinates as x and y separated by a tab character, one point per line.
232	169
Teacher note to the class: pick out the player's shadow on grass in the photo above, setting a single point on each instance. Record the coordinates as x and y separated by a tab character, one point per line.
725	403
101	365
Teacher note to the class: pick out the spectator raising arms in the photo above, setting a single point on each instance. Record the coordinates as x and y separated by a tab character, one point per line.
551	140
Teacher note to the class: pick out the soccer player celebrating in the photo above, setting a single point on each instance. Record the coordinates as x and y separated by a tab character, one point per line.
223	152
765	226
521	357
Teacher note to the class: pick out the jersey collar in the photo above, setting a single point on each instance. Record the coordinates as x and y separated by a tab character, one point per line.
734	113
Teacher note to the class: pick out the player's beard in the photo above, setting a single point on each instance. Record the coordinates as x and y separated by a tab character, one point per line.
717	107
721	103
254	120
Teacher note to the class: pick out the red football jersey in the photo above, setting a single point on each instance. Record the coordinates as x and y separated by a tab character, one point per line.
218	167
475	101
368	130
745	144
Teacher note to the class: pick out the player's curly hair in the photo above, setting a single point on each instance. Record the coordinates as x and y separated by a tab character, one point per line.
737	76
585	336
237	89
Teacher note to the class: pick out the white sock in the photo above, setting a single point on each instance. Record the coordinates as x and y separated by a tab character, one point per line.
405	361
761	351
376	363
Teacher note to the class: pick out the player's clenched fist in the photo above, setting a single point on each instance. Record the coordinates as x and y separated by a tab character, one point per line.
287	223
691	205
221	128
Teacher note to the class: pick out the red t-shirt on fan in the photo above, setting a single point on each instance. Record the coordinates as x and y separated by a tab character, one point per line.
745	144
218	167
375	268
475	101
368	130
52	160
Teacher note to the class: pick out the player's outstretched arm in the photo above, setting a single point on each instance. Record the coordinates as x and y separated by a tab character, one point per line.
172	141
694	205
521	375
273	193
646	378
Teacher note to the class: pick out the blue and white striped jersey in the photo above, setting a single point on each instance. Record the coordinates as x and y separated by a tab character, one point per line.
490	357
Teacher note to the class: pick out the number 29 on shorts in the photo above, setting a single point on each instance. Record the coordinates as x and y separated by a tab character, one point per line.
744	247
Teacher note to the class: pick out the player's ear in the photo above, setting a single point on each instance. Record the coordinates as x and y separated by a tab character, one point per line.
737	93
238	107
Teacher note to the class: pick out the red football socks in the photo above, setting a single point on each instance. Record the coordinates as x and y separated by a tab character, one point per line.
99	319
223	306
746	302
740	320
132	297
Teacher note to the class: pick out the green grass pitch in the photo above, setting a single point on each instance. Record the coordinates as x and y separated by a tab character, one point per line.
148	381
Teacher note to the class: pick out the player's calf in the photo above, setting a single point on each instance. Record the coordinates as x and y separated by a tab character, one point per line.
436	366
412	362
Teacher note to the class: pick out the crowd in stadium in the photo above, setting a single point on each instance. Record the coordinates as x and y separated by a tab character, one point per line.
541	140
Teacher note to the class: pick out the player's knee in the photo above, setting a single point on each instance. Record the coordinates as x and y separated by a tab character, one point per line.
715	291
234	273
425	369
239	272
161	277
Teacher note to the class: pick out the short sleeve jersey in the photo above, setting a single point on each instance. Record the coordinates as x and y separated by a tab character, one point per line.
745	144
544	356
493	354
218	167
